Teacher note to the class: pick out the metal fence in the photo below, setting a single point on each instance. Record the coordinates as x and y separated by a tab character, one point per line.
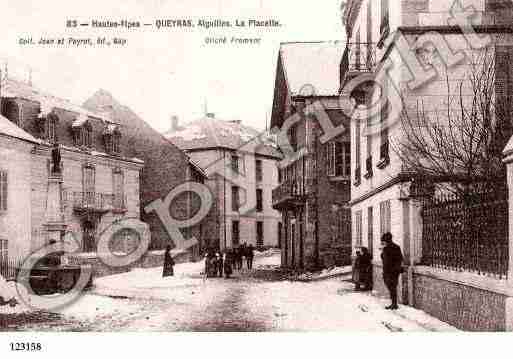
9	267
467	233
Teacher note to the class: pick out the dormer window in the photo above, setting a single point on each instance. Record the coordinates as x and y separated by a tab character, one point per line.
112	137
51	128
82	132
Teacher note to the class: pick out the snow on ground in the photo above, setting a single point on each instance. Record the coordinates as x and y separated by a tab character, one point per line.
331	305
142	300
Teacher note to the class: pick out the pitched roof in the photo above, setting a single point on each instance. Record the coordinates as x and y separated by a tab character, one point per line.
209	132
312	64
12	88
10	129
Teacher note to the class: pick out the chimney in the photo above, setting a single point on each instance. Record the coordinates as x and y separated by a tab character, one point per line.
211	115
174	123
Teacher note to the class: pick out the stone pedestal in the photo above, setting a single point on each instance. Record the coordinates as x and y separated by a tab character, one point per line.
55	224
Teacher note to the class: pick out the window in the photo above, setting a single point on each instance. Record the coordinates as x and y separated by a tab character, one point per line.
3	191
235	163
258	170
89	184
280	175
293	137
338	156
342	159
51	128
259	200
116	139
370	229
118	189
260	234
235	198
384	148
4	250
385	217
235	233
87	133
358	228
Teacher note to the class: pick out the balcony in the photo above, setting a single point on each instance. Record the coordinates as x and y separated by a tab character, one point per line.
98	202
292	193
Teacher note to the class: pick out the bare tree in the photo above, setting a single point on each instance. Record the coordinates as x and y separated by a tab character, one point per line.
460	147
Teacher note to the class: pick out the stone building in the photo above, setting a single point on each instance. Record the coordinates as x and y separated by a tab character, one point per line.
16	148
242	172
403	44
313	190
95	185
166	167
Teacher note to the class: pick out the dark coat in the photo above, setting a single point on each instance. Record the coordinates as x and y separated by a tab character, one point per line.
392	260
168	265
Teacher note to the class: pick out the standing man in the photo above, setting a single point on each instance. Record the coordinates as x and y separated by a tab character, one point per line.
250	254
392	267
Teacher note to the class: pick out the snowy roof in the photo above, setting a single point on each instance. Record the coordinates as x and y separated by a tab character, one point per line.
209	132
10	129
80	120
17	89
312	66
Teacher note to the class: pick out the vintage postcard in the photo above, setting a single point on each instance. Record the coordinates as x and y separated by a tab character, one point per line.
255	166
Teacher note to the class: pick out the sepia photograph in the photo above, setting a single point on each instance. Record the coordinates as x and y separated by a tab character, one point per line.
171	166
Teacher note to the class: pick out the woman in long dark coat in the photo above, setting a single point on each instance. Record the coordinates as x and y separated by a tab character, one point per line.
168	263
228	262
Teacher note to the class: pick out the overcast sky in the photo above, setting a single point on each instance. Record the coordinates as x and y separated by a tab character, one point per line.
164	72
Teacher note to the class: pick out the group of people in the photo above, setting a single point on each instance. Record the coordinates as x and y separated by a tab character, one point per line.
392	259
218	263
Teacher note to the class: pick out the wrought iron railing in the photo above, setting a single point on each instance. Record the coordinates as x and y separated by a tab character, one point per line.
467	233
292	189
98	201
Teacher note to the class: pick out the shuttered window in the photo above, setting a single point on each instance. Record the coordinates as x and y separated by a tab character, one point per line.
385	217
4	250
3	191
235	198
358	228
118	189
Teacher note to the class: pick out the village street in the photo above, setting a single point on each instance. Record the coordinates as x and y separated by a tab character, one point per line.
252	301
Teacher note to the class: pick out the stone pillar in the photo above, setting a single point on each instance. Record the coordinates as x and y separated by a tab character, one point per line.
55	224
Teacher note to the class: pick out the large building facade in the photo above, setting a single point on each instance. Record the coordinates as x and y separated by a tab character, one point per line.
313	190
166	167
242	172
95	185
401	45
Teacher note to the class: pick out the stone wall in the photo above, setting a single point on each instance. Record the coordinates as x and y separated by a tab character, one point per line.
463	306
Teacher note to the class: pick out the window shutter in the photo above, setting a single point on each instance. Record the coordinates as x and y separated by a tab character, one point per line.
3	190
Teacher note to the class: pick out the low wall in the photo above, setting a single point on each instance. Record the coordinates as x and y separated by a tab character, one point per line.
465	300
149	260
